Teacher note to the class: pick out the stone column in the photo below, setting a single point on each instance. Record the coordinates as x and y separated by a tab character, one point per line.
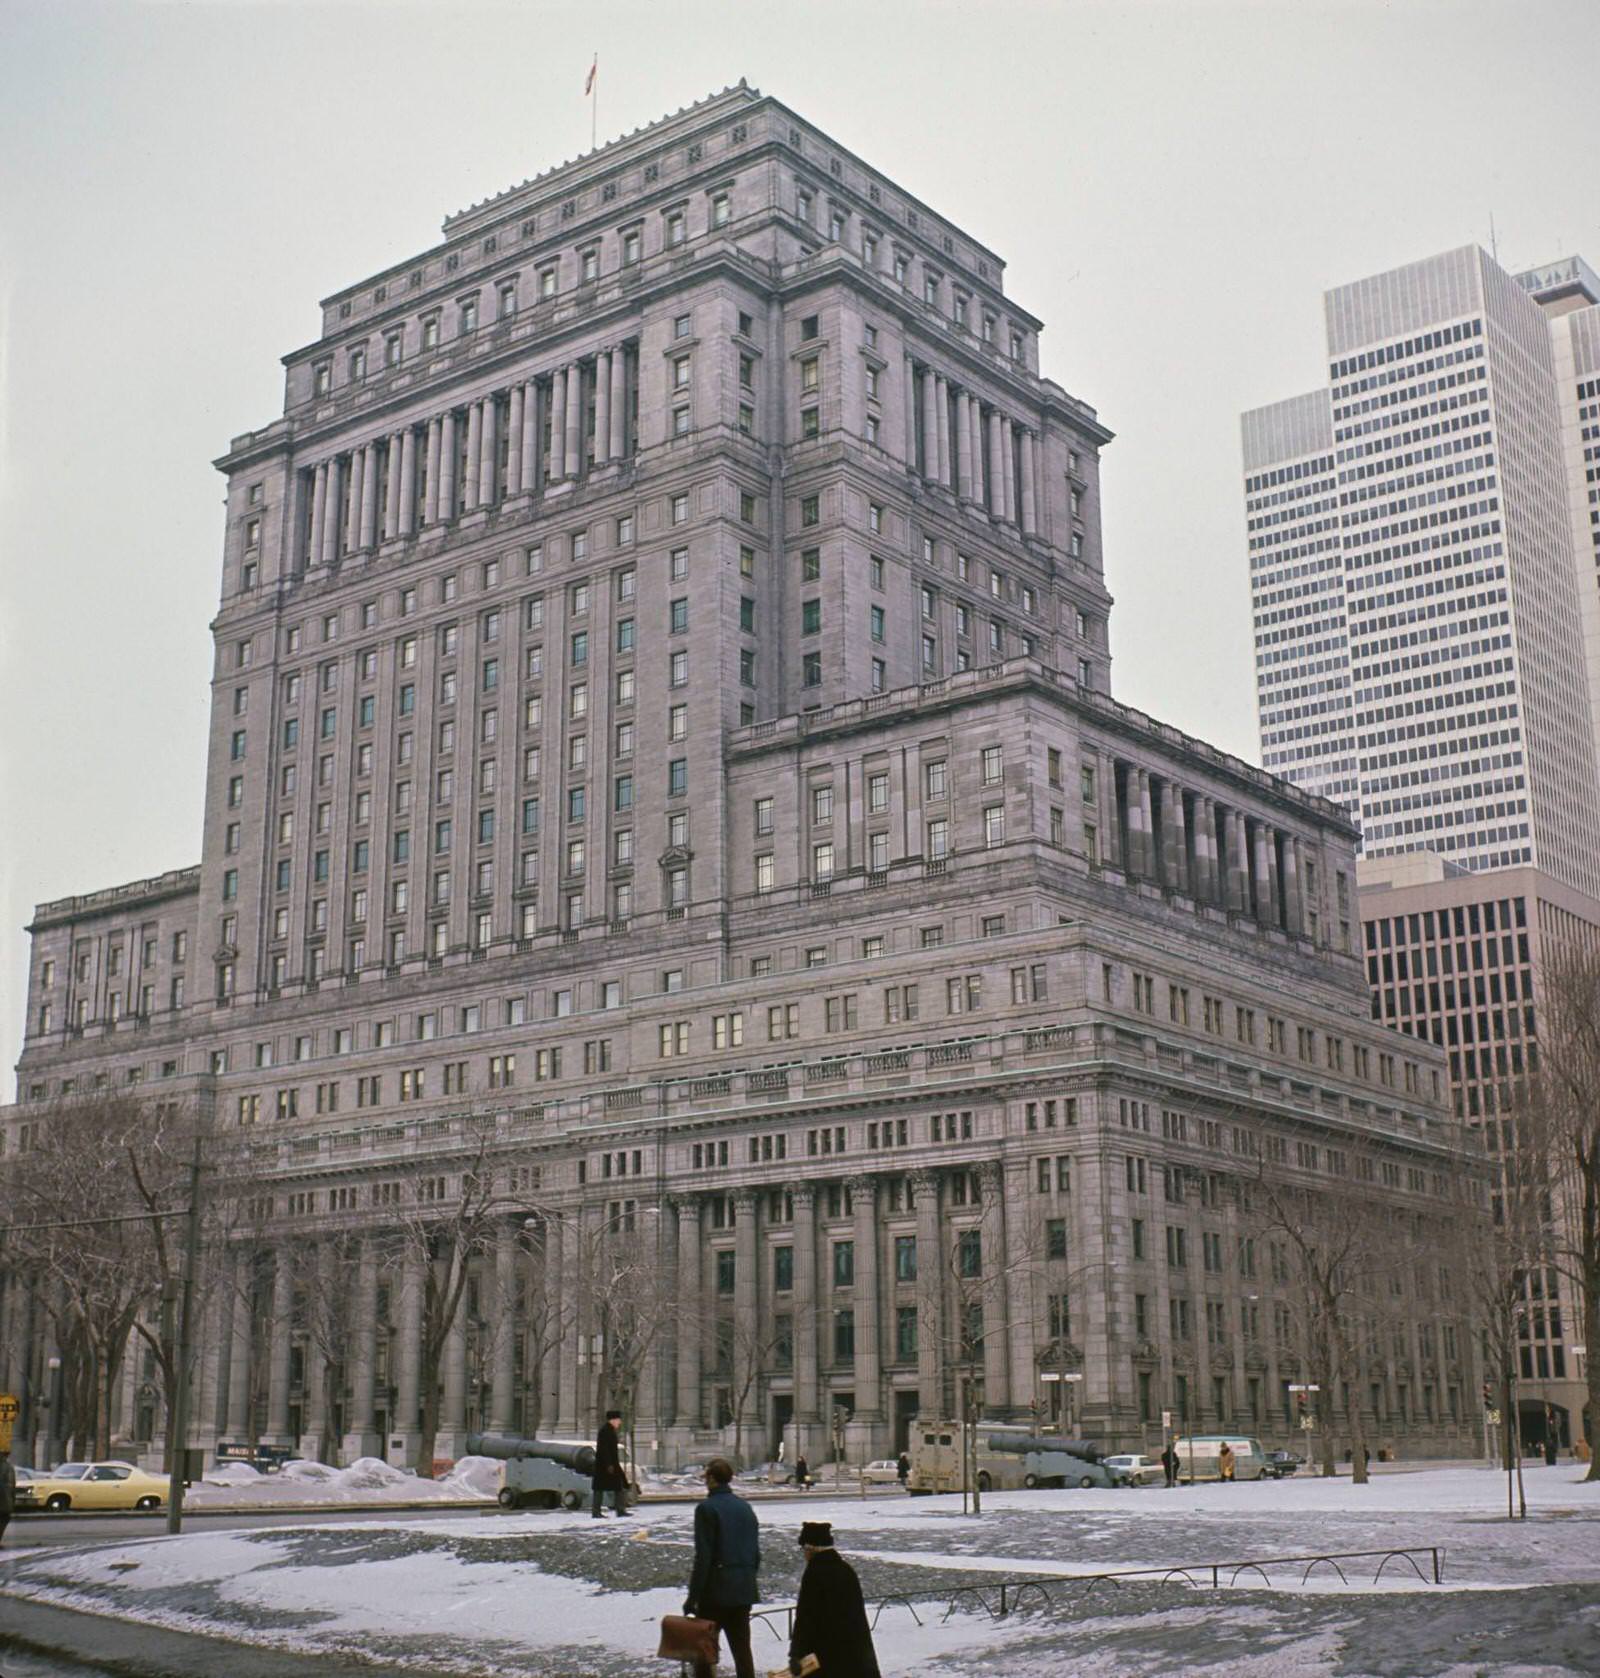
551	1355
352	523
573	1314
1238	867
964	445
1294	919
1008	467
869	1342
691	1409
532	437
806	1396
997	485
975	414
333	511
514	442
930	426
391	503
558	425
361	1423
1030	511
503	1314
1139	847
447	467
453	1409
408	1350
930	1297
911	415
619	402
748	1334
489	453
278	1358
602	408
430	497
1110	816
408	482
1023	1327
319	510
469	478
239	1342
575	421
315	1442
992	1245
1177	826
1274	916
941	403
1264	871
369	495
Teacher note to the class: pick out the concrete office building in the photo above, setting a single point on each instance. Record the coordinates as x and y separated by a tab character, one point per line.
1416	598
661	709
1461	959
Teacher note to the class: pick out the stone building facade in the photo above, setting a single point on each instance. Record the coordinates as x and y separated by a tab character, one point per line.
661	725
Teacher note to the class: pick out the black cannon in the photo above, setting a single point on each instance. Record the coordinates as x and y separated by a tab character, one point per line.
538	1471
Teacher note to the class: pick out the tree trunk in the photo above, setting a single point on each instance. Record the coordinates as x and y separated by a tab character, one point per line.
1591	1329
1352	1407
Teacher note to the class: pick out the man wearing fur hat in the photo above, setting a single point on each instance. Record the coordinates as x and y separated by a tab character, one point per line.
830	1619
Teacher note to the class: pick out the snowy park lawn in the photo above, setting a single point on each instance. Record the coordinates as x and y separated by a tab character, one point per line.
558	1594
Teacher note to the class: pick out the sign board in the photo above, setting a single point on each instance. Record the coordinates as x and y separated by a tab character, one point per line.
1049	1375
1492	1417
10	1409
1166	1418
1307	1422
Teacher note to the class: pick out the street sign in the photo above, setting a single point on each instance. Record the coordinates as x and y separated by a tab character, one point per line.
1307	1423
10	1409
1166	1418
1492	1417
1049	1375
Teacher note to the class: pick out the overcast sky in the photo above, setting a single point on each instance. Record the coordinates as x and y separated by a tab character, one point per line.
1172	185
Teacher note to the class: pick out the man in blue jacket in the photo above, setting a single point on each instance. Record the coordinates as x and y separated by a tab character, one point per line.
727	1557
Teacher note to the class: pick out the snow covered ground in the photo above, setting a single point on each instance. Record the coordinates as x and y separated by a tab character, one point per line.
547	1594
234	1485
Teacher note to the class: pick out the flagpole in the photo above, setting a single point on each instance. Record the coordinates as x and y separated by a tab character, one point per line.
594	110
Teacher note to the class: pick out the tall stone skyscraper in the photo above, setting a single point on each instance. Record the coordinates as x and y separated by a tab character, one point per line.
1419	640
661	726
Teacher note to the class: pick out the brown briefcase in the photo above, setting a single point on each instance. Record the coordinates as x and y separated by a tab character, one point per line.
685	1639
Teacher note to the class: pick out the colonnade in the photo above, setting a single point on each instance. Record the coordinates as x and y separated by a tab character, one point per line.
530	439
955	439
1186	841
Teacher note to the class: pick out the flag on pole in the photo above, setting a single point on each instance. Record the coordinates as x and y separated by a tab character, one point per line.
588	86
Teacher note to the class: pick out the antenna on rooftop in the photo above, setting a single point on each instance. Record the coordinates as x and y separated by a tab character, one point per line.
1494	243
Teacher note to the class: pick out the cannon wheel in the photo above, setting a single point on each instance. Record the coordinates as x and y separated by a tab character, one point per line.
984	1482
571	1500
1085	1481
508	1499
1031	1481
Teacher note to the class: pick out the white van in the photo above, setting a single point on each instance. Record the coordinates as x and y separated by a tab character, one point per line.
1200	1455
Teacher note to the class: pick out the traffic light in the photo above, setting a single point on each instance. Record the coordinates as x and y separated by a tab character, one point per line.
1488	1395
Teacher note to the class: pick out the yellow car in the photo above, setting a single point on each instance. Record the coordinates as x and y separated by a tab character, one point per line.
92	1485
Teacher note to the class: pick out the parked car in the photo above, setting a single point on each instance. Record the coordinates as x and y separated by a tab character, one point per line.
1141	1470
884	1472
93	1485
1280	1463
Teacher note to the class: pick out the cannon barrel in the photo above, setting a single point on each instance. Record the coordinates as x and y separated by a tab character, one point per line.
1019	1445
579	1458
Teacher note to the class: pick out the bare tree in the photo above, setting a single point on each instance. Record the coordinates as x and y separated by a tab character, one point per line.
1558	1122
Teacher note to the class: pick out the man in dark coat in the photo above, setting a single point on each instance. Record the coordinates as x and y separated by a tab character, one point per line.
8	1491
902	1468
830	1619
727	1558
608	1475
1169	1462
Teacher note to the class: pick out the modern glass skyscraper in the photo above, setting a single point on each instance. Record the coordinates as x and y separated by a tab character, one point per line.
1420	648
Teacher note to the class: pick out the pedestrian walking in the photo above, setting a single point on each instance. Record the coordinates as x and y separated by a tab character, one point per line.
1169	1463
830	1619
727	1558
1549	1450
1225	1463
8	1492
802	1472
608	1474
903	1468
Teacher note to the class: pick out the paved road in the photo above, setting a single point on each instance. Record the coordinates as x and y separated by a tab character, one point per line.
33	1531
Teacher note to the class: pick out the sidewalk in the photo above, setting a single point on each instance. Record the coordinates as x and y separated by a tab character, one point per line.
132	1650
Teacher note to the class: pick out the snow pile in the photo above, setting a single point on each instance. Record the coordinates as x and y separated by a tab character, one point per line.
313	1472
369	1474
233	1474
474	1476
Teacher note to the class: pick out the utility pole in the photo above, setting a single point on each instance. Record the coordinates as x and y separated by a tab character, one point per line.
180	1396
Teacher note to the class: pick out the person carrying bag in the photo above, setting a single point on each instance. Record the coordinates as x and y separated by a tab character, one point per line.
722	1586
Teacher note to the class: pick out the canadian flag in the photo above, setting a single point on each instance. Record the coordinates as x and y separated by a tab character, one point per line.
588	86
